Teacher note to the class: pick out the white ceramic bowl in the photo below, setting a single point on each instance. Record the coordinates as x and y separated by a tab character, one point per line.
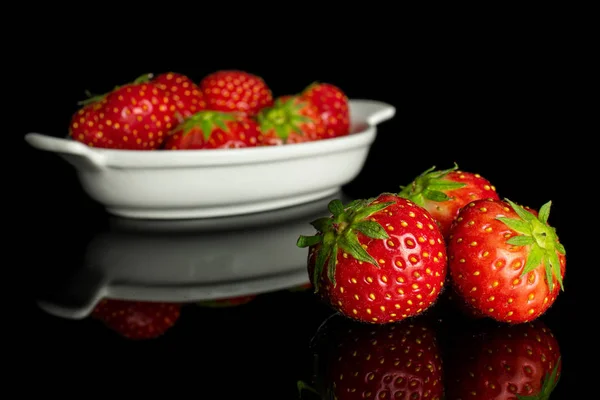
222	182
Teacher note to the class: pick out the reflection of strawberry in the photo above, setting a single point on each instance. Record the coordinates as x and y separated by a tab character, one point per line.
291	119
503	363
214	130
228	302
137	319
395	361
332	104
301	288
232	90
185	93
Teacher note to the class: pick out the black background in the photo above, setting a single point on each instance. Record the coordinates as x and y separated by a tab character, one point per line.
497	104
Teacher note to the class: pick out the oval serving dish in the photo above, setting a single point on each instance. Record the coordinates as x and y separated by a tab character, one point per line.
220	182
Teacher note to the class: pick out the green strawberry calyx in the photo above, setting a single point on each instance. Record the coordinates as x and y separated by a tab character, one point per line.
550	382
206	122
96	98
430	185
339	232
541	239
284	117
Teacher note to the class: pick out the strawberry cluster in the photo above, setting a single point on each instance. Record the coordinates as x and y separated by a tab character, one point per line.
387	258
225	109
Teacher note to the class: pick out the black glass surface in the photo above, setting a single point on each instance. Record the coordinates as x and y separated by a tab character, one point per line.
263	334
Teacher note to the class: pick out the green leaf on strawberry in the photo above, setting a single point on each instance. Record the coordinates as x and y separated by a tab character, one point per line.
430	185
95	98
284	117
341	233
206	121
541	238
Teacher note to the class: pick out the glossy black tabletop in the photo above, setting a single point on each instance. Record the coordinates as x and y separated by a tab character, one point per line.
230	294
221	306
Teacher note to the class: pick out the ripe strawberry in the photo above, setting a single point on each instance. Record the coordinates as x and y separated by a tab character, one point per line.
214	130
137	319
232	90
332	104
504	362
135	116
444	192
227	302
290	120
394	361
506	260
185	93
86	128
377	260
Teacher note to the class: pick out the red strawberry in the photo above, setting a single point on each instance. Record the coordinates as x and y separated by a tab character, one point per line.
135	116
214	130
232	90
506	260
87	127
185	93
228	302
137	319
378	260
394	361
444	192
290	120
332	104
506	362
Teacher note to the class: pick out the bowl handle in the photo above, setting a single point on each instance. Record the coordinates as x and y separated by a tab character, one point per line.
372	111
74	152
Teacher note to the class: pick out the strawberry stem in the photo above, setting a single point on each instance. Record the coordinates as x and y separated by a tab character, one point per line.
339	231
283	117
430	185
541	239
93	99
206	121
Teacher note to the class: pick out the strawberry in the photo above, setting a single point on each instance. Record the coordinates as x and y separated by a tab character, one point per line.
393	361
135	116
506	260
86	126
332	104
506	362
377	260
214	130
233	90
290	120
444	192
137	319
185	93
227	302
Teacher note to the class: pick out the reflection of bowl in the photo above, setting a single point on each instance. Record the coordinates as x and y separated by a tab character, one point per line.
190	260
220	182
